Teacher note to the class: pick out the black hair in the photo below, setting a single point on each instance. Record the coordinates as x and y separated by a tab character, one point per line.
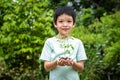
64	10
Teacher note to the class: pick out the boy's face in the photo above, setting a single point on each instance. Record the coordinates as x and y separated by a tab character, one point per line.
64	24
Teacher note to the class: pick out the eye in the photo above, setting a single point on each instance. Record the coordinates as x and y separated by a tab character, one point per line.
69	21
60	21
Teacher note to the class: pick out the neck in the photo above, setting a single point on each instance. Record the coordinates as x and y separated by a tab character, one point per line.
62	36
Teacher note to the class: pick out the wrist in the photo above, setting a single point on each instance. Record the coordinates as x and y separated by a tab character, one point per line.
53	64
56	62
72	63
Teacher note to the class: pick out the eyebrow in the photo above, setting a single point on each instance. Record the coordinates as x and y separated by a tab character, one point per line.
66	19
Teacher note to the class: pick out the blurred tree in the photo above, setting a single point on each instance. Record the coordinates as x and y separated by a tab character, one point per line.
88	10
24	26
101	41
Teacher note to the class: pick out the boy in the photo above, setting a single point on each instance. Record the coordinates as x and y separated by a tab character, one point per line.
63	54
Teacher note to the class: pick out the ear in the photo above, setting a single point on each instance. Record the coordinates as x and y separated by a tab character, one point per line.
54	24
74	24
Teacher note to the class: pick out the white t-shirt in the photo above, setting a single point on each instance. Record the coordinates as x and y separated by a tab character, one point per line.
55	48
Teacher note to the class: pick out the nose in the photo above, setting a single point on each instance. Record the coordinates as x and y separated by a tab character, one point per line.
64	24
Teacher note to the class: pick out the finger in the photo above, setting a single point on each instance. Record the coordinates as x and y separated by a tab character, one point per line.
72	62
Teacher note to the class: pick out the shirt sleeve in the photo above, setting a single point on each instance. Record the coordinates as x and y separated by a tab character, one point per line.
81	55
46	52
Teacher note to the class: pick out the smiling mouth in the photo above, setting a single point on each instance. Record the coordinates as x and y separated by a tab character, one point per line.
65	29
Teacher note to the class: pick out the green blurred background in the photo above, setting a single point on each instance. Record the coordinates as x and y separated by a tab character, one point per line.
26	24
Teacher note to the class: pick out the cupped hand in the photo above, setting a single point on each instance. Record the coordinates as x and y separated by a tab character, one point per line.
65	62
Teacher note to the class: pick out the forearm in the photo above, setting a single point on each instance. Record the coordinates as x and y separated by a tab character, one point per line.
50	65
79	66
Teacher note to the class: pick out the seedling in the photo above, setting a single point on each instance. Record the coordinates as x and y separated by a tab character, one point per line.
66	46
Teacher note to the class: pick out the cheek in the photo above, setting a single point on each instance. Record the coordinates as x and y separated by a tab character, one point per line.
71	26
59	25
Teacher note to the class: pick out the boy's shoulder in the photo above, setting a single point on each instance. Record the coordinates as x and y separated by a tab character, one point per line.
51	38
77	39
